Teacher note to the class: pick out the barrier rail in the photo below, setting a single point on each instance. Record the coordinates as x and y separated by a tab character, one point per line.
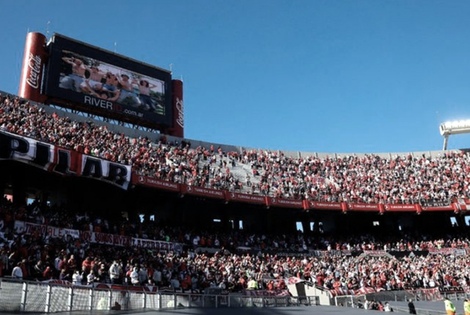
40	297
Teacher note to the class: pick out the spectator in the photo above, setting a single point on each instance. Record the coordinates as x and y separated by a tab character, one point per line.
252	284
387	307
77	278
175	283
449	306
134	275
17	272
90	278
411	307
466	307
115	273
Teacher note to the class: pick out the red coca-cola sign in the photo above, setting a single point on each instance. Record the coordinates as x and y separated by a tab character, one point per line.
32	70
178	109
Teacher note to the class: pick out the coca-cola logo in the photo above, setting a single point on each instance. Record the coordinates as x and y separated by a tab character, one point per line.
180	113
34	75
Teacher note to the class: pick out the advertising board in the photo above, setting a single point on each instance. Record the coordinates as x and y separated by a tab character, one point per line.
105	83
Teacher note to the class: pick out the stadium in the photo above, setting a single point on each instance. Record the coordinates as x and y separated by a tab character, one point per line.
108	206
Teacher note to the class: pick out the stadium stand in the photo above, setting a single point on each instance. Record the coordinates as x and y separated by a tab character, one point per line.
69	239
405	179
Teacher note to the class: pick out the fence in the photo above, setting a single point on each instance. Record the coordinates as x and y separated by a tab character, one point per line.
39	297
427	301
349	300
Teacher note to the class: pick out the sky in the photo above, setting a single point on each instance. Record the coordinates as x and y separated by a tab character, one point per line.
327	76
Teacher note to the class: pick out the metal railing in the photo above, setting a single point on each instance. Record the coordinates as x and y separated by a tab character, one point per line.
40	297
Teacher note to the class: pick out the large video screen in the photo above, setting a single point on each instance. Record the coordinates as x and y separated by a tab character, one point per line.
103	82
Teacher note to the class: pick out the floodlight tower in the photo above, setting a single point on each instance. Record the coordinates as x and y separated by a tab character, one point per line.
453	128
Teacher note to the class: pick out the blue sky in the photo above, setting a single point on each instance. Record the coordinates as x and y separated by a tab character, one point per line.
295	75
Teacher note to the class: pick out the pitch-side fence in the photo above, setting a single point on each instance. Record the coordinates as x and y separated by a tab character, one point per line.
40	297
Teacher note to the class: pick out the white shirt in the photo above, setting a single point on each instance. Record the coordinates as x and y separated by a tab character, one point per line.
77	278
17	272
114	271
90	278
135	276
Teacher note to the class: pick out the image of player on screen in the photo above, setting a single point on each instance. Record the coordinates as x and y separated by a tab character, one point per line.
127	94
144	94
75	74
93	83
94	74
111	87
93	77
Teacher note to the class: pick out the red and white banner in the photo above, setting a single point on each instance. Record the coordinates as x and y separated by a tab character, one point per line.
263	293
153	244
448	251
464	204
363	207
44	230
201	191
287	203
155	183
325	205
428	294
361	291
105	238
294	280
255	199
22	227
400	207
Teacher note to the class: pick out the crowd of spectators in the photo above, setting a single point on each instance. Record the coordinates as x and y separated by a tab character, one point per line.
366	179
227	266
369	178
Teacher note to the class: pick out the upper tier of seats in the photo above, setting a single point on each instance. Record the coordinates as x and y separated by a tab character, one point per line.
392	178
